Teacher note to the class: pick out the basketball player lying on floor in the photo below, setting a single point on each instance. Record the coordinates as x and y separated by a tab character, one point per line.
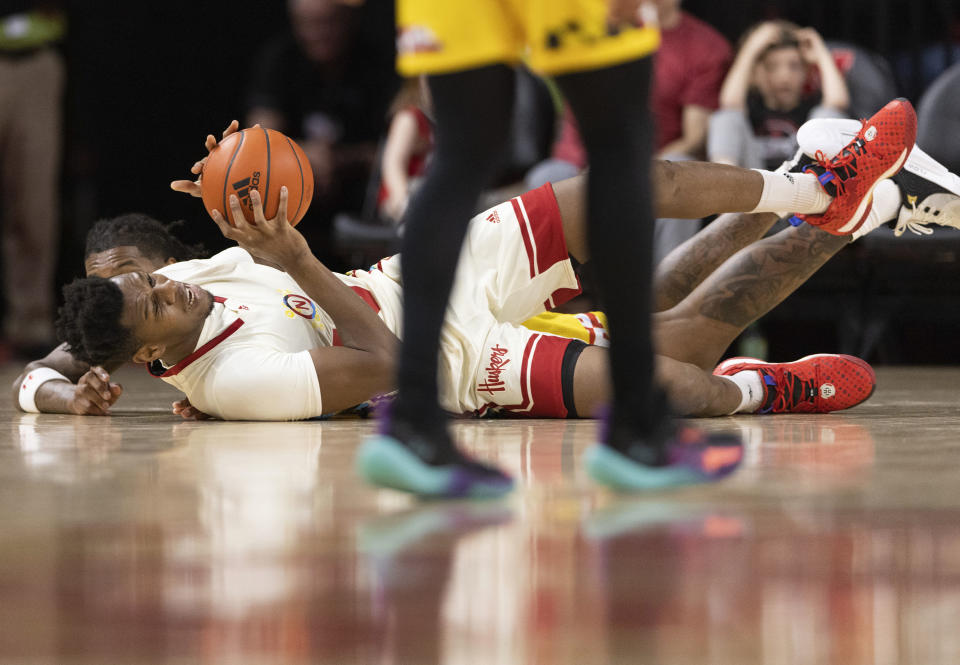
264	350
136	241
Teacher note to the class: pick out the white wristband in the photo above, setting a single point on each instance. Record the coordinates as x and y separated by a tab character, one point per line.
32	382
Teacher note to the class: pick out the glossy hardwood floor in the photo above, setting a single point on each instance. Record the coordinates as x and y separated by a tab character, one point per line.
143	539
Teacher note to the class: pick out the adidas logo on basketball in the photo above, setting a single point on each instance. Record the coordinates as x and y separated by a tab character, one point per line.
242	189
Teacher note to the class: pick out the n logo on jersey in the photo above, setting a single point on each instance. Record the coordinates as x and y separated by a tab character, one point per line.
300	305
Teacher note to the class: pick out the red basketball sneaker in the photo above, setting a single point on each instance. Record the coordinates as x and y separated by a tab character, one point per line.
878	151
816	384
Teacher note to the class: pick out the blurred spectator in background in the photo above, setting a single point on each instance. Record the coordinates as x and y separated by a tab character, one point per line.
327	84
691	63
688	72
407	148
31	89
770	91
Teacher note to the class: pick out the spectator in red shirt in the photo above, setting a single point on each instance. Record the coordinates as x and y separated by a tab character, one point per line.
691	64
768	94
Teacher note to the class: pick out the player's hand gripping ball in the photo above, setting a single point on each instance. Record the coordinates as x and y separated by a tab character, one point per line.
261	159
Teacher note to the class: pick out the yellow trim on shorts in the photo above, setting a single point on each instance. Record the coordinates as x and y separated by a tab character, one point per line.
564	325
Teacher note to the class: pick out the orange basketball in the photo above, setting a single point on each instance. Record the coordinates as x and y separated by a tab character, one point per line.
261	159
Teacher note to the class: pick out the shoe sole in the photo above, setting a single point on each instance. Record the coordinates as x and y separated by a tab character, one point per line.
860	215
837	133
384	462
743	360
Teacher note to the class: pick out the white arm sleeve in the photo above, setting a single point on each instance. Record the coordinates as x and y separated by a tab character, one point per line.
253	383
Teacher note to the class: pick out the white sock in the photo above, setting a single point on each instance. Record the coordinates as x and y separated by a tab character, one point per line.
784	193
886	206
751	390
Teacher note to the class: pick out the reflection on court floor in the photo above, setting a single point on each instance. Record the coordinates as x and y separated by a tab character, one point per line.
141	538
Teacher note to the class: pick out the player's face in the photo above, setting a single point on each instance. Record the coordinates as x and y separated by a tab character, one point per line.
119	260
163	312
780	77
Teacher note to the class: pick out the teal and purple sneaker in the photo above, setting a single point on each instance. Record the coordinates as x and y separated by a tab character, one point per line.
690	456
425	468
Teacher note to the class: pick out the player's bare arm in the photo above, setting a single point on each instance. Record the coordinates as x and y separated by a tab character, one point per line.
364	365
82	390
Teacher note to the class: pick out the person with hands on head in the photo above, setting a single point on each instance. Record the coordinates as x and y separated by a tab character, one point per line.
764	99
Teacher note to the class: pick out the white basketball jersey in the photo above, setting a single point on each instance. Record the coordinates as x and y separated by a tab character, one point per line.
252	360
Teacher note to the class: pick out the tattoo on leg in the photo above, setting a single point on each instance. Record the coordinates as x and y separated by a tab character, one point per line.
679	274
760	276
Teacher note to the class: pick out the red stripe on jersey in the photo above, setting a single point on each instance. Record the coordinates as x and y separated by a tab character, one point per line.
543	214
541	378
594	320
367	298
525	234
524	390
180	366
561	296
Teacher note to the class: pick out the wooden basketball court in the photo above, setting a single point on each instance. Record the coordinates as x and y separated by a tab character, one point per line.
140	538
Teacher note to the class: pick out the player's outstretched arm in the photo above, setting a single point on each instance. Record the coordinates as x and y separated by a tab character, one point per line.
72	386
364	365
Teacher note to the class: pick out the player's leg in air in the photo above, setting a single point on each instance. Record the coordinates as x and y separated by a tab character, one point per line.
930	192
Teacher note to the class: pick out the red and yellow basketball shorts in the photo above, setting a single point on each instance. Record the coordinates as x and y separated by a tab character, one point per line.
551	36
514	266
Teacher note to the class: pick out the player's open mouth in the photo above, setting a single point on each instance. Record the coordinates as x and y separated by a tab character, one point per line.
191	297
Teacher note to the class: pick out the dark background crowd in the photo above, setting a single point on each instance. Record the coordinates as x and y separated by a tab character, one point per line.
145	82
